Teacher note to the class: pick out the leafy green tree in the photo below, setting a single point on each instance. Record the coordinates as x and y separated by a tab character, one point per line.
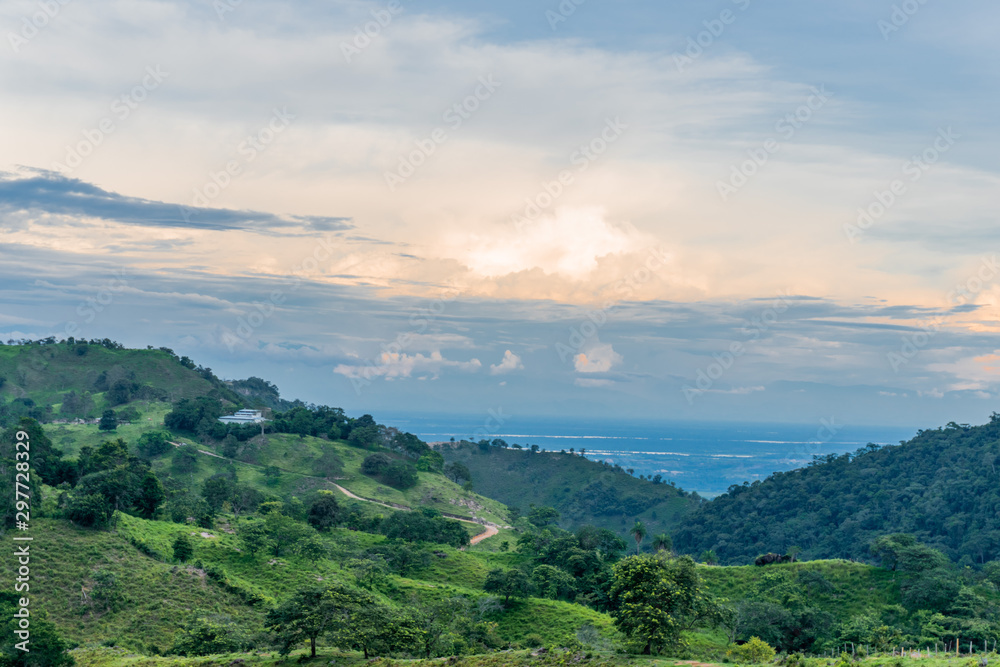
218	490
508	584
109	422
245	499
424	527
638	533
150	495
708	557
153	445
310	614
183	549
554	583
285	532
650	596
324	512
541	515
89	511
211	635
254	536
364	437
457	472
46	648
375	464
401	475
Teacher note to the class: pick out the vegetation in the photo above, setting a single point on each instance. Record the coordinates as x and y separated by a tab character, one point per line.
176	535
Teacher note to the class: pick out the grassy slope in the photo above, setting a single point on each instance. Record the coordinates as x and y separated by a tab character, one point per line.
45	372
519	478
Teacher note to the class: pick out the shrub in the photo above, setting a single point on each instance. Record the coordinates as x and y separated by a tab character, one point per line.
183	549
753	652
375	464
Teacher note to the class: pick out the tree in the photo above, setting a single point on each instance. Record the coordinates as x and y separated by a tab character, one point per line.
401	475
154	444
554	583
45	646
650	597
285	532
150	496
336	610
183	549
109	422
211	635
324	513
253	536
218	490
541	515
708	557
508	583
457	472
638	533
662	542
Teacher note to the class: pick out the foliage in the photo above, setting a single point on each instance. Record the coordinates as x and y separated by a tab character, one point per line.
508	584
46	648
651	599
209	635
941	487
109	421
424	526
183	549
325	512
754	652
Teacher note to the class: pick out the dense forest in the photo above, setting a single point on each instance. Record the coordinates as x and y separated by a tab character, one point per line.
943	486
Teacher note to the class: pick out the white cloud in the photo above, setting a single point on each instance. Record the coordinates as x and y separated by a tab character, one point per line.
510	363
600	358
592	383
401	365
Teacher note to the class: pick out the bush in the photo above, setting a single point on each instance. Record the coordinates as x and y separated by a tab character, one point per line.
753	652
183	549
375	464
401	475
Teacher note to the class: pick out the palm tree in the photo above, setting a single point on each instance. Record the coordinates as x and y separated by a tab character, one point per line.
709	557
662	542
638	533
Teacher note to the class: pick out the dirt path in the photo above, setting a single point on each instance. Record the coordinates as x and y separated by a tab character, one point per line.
491	529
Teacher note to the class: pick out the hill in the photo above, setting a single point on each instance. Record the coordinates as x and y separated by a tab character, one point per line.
584	492
51	380
943	486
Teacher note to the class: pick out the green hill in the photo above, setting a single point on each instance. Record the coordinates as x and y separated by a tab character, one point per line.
943	486
585	492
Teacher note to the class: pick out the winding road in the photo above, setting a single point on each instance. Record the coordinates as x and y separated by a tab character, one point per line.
491	528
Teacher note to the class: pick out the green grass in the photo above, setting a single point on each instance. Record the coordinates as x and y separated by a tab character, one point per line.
158	597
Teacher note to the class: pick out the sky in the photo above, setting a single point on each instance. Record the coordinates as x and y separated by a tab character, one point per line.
727	210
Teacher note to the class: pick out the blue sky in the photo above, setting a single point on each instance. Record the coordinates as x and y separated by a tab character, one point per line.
480	206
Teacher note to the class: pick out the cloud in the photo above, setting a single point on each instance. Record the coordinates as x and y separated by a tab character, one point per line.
47	193
593	383
510	363
600	358
391	366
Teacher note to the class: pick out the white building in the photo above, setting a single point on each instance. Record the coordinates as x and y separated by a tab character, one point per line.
244	417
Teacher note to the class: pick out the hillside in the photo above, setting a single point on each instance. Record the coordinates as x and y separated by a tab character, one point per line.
583	491
943	486
56	381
